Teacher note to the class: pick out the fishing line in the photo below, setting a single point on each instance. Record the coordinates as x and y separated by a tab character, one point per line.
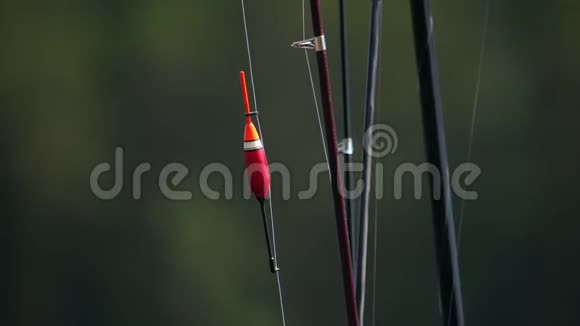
376	204
250	63
473	120
375	237
278	281
372	89
273	260
475	107
271	246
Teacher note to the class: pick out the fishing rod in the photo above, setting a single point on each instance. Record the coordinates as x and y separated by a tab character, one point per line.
370	105
318	44
450	295
346	146
258	173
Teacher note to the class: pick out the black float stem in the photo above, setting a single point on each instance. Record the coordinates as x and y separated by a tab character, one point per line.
271	256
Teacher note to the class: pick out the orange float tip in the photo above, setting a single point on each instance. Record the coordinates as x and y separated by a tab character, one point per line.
250	132
245	92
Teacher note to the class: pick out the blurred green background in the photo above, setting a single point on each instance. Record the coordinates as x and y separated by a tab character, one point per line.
160	79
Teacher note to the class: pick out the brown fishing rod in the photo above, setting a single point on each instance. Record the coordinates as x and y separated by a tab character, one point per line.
318	44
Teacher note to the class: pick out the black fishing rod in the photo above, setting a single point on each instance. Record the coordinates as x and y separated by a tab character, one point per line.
370	105
434	133
347	145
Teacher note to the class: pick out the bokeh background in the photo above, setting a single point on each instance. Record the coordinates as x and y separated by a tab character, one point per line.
160	79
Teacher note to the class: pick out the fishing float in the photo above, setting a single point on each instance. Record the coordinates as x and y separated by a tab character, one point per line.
258	173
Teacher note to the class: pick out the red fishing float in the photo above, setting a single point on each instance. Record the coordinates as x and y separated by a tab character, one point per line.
259	176
254	153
